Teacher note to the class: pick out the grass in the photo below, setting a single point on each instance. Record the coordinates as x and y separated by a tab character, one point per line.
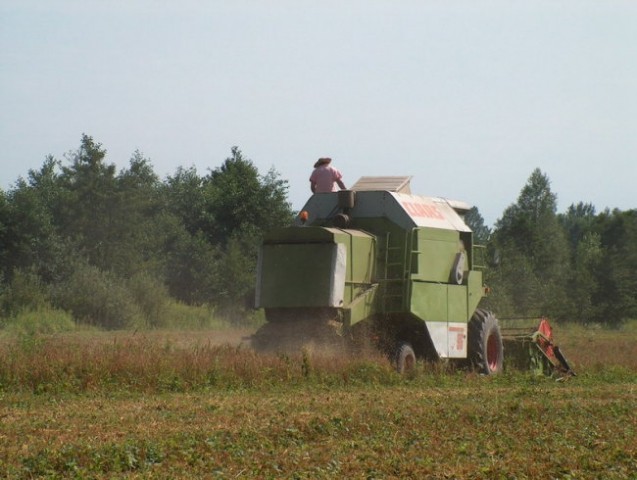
596	348
169	404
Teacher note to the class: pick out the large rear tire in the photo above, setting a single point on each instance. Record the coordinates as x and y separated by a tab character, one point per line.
486	353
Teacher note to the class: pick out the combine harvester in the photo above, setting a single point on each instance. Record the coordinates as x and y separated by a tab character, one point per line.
377	266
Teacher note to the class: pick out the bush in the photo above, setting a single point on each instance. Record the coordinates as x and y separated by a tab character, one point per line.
42	321
25	292
97	298
152	299
185	317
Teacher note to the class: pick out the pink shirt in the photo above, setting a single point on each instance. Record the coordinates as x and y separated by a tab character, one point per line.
325	178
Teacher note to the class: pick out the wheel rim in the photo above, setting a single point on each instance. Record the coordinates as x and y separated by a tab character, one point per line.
493	354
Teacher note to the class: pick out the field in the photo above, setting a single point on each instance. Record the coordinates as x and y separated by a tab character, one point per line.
200	405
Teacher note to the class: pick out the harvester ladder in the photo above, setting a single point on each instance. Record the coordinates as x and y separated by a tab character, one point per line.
394	275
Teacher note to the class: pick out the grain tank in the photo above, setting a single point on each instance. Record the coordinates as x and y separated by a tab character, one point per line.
376	265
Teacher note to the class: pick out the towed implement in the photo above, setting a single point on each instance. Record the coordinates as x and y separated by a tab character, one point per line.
534	349
377	266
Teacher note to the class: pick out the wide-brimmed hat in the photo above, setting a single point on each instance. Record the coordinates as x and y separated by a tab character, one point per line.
322	161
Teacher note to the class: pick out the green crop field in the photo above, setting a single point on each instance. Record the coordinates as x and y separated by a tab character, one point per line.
198	404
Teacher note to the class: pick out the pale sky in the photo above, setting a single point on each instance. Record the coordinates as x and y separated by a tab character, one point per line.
469	97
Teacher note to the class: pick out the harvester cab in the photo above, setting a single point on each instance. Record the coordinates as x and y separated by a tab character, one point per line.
376	265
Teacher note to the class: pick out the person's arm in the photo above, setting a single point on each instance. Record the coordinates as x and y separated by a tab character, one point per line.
340	183
313	186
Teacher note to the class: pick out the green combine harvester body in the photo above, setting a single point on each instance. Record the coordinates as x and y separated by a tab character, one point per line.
378	265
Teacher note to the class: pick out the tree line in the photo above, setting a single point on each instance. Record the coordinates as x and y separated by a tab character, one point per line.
577	266
110	247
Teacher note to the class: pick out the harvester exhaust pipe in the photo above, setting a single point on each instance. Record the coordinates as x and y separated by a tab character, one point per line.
346	201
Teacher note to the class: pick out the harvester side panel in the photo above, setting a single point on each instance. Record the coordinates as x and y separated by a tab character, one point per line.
429	301
301	275
475	291
435	252
314	267
449	339
361	264
457	297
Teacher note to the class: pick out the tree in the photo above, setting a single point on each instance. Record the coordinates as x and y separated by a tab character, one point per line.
137	236
238	196
225	214
585	256
4	225
192	270
88	211
532	251
184	196
29	238
584	285
481	233
616	297
244	206
578	221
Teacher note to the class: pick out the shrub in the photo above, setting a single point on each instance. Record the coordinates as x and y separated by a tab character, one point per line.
184	317
41	321
97	297
152	299
25	292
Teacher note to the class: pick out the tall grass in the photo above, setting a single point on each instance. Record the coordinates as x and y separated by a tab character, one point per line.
595	348
168	360
164	361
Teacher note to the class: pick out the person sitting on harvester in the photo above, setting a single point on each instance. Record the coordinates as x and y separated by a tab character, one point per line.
325	178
